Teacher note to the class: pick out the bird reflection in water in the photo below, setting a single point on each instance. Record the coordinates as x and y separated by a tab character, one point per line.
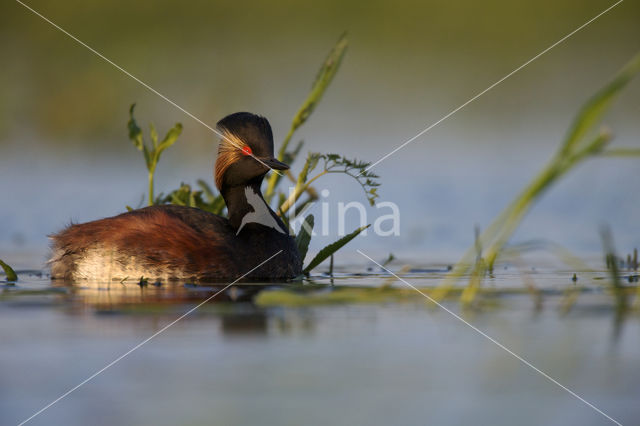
151	304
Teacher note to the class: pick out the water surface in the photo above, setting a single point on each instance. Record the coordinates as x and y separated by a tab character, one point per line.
237	362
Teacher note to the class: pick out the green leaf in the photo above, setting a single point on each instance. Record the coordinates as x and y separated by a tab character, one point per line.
574	149
304	236
148	157
154	135
323	79
592	111
170	138
309	165
332	248
135	133
335	163
180	196
217	206
186	196
321	83
9	272
215	203
206	189
390	259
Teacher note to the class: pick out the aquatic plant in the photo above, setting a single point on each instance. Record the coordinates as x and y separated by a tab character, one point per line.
9	272
329	250
611	260
579	144
205	198
304	236
333	163
322	81
287	205
151	153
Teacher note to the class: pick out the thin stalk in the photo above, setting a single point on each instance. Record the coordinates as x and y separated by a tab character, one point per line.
519	208
501	229
285	143
297	192
470	291
274	179
529	283
489	234
313	194
151	187
559	166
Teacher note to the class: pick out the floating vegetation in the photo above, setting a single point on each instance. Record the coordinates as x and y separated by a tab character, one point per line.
317	295
314	296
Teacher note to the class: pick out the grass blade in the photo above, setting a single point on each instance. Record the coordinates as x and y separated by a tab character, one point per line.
304	236
573	150
135	133
323	79
321	83
597	105
9	272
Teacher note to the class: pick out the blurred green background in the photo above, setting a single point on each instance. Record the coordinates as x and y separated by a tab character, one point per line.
64	153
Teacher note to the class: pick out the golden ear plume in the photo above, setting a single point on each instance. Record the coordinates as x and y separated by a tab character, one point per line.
229	151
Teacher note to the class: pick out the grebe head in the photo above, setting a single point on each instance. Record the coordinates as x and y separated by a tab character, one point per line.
246	151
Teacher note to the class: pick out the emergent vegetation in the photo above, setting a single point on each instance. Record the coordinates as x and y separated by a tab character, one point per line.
582	142
286	205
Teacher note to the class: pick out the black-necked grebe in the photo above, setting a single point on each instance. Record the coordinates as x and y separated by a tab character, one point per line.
174	242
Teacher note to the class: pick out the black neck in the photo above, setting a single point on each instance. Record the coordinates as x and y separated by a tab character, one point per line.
237	205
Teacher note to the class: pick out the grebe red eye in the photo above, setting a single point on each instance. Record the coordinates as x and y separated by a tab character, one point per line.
246	150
